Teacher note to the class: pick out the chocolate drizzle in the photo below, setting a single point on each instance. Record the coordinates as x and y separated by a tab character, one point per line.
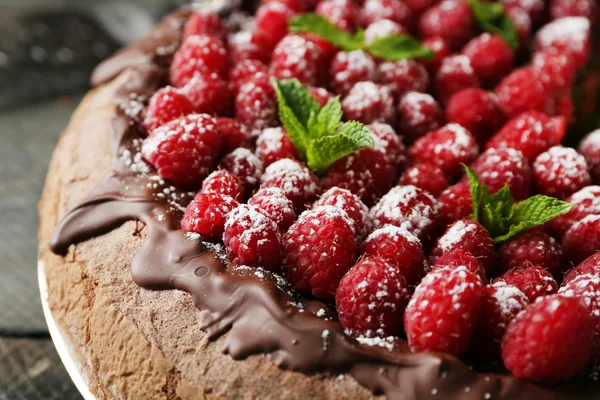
256	315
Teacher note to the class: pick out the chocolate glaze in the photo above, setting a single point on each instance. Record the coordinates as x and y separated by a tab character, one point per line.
255	315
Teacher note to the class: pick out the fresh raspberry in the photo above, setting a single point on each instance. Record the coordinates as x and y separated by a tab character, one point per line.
451	20
404	76
564	106
533	8
491	57
342	13
455	74
295	56
590	148
455	203
407	207
233	134
470	236
425	176
522	22
418	6
273	203
398	247
375	11
256	104
199	54
347	201
531	133
248	46
165	105
245	71
504	166
209	94
582	239
500	304
589	266
366	173
550	341
442	314
560	171
456	258
440	50
574	8
381	29
585	202
321	95
184	150
205	23
523	90
275	144
446	148
347	69
371	299
418	114
225	183
294	5
531	249
389	140
369	102
569	35
478	111
555	69
271	21
320	248
245	165
206	214
534	282
296	181
253	239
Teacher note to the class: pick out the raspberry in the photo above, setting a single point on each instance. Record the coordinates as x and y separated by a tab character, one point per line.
390	142
442	314
418	6
407	207
582	239
273	203
470	236
233	134
206	214
382	28
322	96
589	266
166	105
342	13
398	247
456	258
369	102
319	249
245	165
555	69
252	239
274	144
534	282
522	90
404	76
256	104
531	133
440	50
296	181
451	20
347	201
446	148
569	35
225	183
522	23
533	8
455	74
560	172
574	8
590	148
585	202
491	57
248	46
531	249
478	111
500	304
295	56
418	114
565	107
375	11
205	23
371	299
199	54
425	176
209	94
184	150
504	166
245	71
294	5
347	69
455	203
549	341
271	21
366	173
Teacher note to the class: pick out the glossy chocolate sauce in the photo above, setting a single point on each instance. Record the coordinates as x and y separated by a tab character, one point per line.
255	310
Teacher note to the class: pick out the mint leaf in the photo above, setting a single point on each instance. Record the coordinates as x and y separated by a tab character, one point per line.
327	121
479	192
491	18
319	25
399	47
498	211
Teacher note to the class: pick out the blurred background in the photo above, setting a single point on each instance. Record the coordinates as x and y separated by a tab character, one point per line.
48	49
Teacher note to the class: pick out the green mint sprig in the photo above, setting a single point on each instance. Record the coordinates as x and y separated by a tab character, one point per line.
317	132
491	18
392	47
502	218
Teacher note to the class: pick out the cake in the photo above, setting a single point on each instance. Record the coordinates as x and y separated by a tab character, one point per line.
171	277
